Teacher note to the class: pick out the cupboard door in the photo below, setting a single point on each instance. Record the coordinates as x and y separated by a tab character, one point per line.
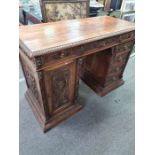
60	84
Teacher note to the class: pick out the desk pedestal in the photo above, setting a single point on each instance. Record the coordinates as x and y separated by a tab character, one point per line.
103	70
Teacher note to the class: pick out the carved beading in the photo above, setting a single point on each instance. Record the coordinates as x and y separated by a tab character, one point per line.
87	48
40	75
31	83
127	36
55	56
38	61
124	47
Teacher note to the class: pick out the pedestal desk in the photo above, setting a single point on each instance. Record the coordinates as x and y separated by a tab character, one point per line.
55	55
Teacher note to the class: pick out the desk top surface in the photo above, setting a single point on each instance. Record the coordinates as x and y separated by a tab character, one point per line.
44	38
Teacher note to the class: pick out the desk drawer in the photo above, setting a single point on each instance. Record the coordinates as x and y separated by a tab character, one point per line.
46	59
121	57
116	67
124	47
127	36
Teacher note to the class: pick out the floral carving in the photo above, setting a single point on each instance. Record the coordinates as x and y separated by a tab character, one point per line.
60	87
86	49
127	36
31	83
124	47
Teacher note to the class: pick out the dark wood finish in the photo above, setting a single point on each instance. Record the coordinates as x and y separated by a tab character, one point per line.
55	55
103	71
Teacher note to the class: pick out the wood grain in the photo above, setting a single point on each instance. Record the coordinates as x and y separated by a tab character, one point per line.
48	37
54	57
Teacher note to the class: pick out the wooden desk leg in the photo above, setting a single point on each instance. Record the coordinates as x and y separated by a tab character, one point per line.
52	92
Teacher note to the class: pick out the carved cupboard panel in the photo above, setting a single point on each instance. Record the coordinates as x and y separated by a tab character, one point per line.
60	85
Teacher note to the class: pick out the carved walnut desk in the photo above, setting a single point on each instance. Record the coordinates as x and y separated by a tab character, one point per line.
55	55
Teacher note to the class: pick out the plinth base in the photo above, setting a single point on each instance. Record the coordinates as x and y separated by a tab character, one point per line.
96	86
55	119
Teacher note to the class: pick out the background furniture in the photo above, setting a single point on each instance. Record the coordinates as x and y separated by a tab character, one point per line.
107	5
63	9
128	10
116	4
63	53
94	7
52	10
116	13
124	9
31	17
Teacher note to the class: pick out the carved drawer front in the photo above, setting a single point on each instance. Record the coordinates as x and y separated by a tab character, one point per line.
60	86
127	36
53	57
116	67
111	41
124	47
120	58
114	73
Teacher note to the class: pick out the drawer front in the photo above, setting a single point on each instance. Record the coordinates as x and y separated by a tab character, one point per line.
88	48
124	47
113	74
127	36
118	63
56	56
120	58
